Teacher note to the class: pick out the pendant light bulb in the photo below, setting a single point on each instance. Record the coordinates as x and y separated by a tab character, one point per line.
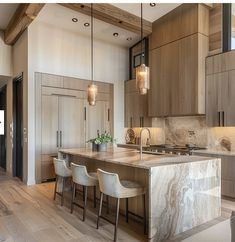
142	79
92	89
92	94
142	71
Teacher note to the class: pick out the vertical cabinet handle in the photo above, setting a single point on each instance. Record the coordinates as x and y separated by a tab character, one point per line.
140	121
108	114
85	113
57	138
60	139
131	121
219	117
223	118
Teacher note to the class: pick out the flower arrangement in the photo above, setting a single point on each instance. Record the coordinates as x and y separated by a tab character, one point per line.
100	142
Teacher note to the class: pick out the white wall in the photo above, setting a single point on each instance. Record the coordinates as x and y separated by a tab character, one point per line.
5	57
61	52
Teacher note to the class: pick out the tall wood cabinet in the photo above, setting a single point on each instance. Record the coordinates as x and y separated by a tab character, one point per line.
177	62
65	120
136	107
220	88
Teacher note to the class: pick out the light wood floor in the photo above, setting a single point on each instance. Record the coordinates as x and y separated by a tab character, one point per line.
28	213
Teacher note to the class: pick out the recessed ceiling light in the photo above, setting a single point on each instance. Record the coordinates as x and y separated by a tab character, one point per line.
115	34
86	24
152	4
74	20
129	39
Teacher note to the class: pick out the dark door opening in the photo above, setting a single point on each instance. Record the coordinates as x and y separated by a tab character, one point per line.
18	127
3	102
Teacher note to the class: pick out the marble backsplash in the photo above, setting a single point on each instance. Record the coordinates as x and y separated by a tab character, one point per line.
184	130
190	130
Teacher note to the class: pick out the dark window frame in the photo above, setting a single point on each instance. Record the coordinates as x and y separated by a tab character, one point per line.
227	34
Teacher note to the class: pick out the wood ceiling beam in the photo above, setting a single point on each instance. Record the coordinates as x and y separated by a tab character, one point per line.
112	15
21	19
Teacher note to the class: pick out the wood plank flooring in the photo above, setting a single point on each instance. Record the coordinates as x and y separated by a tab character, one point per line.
29	213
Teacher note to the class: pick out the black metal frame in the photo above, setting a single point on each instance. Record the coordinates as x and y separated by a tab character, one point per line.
227	15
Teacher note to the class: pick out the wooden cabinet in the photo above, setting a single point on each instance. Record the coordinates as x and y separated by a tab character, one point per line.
227	173
136	107
65	120
220	88
177	78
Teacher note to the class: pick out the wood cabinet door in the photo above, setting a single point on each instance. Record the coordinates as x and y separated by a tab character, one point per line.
230	103
49	122
71	122
184	92
212	114
158	98
97	118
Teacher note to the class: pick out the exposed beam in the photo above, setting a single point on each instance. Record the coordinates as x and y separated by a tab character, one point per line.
21	19
112	15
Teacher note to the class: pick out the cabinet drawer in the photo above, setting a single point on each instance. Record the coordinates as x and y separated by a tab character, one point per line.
47	167
52	80
228	168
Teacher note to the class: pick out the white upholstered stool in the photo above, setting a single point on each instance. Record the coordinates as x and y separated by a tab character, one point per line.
80	176
61	170
111	185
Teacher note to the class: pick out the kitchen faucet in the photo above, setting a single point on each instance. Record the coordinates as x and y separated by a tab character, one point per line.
141	145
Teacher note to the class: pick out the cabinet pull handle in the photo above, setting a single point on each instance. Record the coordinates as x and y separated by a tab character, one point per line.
57	138
222	118
219	118
60	139
85	113
140	121
131	121
108	114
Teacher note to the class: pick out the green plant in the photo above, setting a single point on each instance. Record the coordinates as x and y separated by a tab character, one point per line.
104	138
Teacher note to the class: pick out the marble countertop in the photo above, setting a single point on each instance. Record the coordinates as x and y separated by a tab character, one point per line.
214	152
131	157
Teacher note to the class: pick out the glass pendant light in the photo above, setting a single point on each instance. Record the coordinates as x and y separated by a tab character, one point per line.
92	89
142	71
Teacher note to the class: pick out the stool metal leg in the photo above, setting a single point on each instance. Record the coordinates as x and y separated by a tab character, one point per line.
127	210
56	180
116	221
62	196
85	203
94	196
100	210
73	196
83	193
144	207
107	202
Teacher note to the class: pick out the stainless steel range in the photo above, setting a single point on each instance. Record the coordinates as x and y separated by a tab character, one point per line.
172	149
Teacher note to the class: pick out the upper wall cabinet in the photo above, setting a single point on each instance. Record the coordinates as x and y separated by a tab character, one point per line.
177	63
220	88
136	107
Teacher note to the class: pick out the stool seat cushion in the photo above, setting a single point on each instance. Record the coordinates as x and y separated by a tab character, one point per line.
132	189
93	175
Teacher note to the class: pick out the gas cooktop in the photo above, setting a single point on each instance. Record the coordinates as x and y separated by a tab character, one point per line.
173	149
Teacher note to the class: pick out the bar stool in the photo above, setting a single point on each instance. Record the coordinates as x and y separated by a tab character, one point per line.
61	170
80	176
111	185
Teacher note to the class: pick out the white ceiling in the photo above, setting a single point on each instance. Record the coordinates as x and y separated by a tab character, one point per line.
149	13
60	16
6	12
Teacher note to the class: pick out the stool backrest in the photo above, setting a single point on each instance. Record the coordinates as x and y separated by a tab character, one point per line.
61	168
109	183
81	177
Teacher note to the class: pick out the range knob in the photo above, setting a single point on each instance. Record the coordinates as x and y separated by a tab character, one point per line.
178	153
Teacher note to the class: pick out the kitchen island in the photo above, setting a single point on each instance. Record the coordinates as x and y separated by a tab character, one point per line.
182	191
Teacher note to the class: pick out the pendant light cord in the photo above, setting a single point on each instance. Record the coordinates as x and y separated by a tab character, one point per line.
92	45
141	33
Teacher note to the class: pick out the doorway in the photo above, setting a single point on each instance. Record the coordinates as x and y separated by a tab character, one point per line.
18	127
3	102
